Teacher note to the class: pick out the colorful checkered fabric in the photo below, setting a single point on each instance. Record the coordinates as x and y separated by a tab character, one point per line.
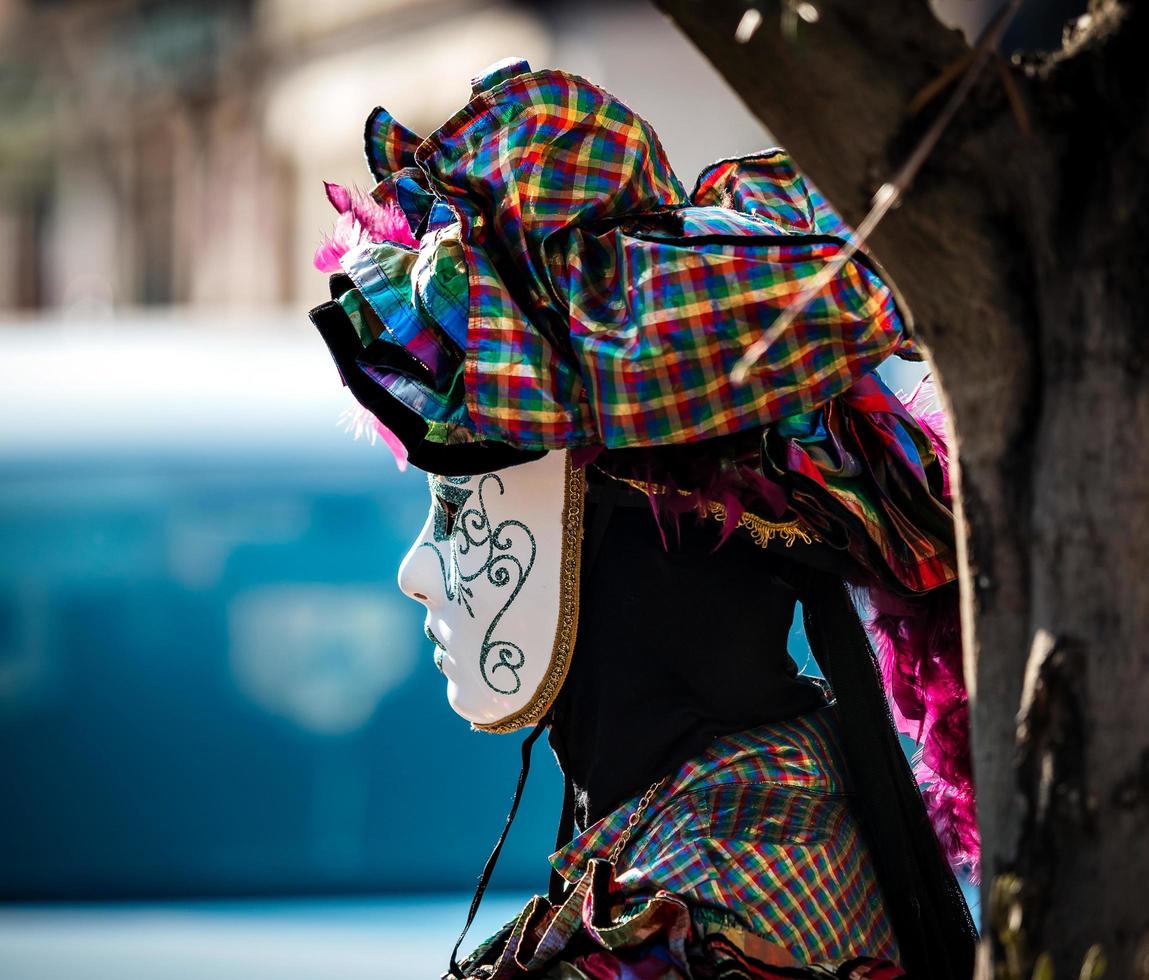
864	466
759	827
604	305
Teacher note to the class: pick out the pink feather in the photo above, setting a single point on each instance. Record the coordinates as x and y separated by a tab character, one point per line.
338	195
363	425
918	644
362	218
924	405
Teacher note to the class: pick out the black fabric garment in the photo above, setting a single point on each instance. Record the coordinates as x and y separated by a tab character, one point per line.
676	645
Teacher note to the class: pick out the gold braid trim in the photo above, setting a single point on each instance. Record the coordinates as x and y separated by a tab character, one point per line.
762	531
544	696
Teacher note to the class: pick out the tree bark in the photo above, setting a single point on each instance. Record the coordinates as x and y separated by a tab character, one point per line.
1025	260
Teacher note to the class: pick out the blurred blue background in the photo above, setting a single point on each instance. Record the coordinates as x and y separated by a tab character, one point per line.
209	683
210	686
225	749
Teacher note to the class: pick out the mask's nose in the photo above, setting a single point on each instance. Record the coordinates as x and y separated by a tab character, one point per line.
421	572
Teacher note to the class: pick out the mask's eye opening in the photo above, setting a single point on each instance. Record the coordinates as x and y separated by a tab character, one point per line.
450	514
448	498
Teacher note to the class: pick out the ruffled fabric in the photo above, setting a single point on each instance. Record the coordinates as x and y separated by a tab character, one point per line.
760	825
745	862
602	304
862	470
605	931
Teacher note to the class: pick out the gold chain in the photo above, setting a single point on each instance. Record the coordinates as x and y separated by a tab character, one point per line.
633	820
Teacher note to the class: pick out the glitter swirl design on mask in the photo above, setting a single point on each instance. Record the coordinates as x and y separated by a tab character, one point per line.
566	629
473	537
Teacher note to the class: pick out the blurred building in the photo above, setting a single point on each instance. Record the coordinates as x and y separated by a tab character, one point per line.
171	152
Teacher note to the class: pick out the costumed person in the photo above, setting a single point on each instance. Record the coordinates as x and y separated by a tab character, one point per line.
531	308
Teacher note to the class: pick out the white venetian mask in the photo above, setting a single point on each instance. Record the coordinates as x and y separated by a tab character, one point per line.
497	566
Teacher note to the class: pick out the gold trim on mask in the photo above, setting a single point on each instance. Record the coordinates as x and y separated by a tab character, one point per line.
574	501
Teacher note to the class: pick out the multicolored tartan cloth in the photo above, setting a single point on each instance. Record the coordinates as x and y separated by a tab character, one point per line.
748	854
863	471
566	291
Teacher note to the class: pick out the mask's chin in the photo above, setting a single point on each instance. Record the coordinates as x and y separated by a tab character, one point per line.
476	711
466	699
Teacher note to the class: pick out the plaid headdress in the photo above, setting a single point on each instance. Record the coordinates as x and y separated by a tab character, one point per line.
534	276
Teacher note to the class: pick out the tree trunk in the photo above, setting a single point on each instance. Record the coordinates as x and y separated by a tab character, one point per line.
1025	260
